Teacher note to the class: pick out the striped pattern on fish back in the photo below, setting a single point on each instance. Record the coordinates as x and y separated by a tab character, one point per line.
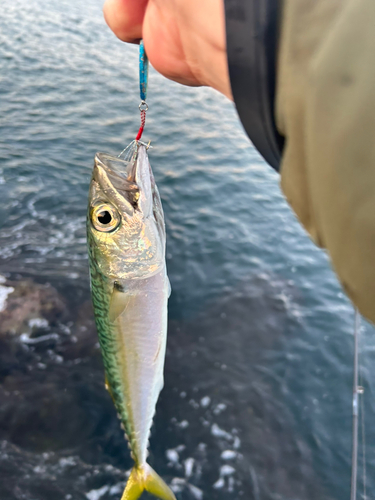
101	294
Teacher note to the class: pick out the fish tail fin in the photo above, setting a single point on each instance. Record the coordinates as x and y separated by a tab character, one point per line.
145	478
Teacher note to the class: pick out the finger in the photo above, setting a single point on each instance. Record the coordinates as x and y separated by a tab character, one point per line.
125	18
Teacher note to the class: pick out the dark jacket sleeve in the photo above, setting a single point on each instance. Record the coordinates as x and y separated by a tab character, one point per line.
252	33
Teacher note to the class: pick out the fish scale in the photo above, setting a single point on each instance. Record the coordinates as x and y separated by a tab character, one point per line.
107	343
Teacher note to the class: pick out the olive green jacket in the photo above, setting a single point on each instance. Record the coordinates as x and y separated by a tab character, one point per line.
325	108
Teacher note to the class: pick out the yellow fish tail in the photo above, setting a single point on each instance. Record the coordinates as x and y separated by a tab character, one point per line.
144	478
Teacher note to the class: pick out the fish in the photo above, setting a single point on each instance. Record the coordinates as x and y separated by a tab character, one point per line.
130	290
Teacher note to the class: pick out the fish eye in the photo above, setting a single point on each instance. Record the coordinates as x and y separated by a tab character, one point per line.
105	218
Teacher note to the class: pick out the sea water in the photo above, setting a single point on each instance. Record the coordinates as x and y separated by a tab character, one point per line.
258	379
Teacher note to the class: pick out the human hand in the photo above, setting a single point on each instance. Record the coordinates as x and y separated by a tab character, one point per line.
184	39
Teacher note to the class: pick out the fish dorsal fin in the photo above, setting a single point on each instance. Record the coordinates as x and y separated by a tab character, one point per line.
118	303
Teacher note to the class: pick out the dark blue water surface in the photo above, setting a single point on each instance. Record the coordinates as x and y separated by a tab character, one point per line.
257	398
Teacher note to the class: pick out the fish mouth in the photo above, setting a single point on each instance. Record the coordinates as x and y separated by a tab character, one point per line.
112	173
128	176
126	163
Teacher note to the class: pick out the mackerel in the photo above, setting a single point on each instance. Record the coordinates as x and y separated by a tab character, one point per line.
130	290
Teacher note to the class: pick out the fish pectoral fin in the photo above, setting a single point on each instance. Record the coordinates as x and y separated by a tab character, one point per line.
118	303
145	478
108	387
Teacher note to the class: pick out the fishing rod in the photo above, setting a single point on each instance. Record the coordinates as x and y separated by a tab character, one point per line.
357	390
353	493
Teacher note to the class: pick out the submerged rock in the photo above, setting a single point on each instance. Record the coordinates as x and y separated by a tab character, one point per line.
28	306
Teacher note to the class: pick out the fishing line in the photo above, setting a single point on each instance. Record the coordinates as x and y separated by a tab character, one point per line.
143	82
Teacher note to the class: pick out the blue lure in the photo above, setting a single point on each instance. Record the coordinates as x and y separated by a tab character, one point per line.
143	71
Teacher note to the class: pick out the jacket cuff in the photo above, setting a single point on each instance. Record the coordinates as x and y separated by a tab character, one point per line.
252	35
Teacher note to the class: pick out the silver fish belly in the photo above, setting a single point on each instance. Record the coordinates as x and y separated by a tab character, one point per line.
142	334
